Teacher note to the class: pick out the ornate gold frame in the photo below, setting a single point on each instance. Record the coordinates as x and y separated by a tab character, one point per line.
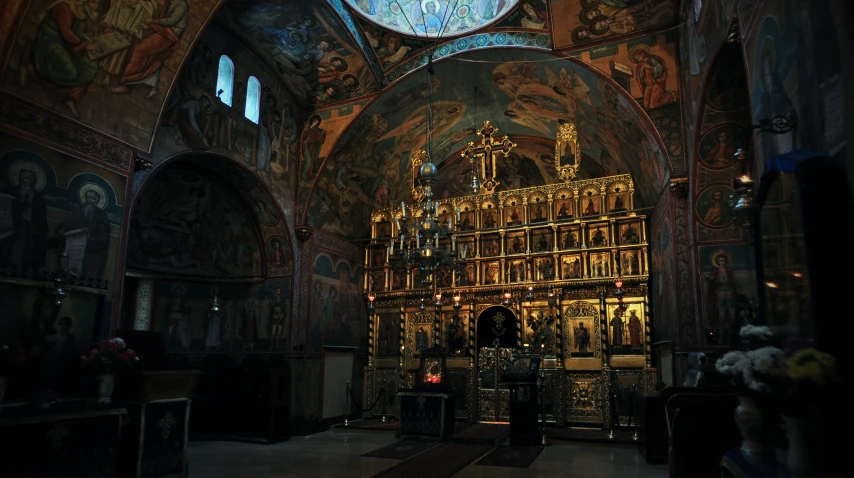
567	136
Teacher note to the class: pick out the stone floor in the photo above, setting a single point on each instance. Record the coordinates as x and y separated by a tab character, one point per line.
337	454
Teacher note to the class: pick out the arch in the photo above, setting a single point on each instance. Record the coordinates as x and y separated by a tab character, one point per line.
488	328
253	100
225	80
611	110
246	185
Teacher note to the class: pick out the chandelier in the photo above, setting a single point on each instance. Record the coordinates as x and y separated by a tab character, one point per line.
421	242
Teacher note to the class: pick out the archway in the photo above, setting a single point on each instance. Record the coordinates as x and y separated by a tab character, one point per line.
201	227
368	166
497	338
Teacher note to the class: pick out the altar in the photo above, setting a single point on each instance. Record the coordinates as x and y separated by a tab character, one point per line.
426	412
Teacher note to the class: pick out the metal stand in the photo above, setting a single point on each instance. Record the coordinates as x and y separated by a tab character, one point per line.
347	403
544	441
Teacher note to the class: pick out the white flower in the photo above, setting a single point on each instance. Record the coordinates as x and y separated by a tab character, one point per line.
733	363
760	386
759	332
118	340
769	361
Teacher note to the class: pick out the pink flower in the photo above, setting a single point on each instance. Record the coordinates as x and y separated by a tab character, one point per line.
94	351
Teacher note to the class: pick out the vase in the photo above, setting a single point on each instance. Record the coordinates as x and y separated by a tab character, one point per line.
798	461
749	417
105	383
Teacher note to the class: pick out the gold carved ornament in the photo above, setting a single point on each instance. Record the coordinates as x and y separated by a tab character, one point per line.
484	153
567	154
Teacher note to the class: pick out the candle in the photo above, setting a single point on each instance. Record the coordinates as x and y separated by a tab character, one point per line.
458	215
453	243
391	248
403	208
436	207
436	241
450	223
397	223
417	241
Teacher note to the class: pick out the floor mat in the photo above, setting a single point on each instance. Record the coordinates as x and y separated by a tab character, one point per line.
512	456
484	433
442	461
402	450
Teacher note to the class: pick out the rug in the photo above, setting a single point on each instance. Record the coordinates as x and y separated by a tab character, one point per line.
442	461
402	450
484	433
389	425
595	435
512	456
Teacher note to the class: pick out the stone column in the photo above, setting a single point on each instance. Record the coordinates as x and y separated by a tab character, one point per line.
144	303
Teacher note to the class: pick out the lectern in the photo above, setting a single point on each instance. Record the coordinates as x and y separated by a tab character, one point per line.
521	376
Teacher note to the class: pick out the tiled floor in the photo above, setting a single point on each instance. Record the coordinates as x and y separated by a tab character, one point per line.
337	454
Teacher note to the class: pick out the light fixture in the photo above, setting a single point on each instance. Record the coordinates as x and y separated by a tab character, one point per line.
772	285
620	292
371	298
552	300
438	303
457	304
507	301
59	291
419	228
530	295
423	305
742	203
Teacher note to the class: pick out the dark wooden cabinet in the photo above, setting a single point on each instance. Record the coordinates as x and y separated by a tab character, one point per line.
155	442
263	403
652	428
524	414
427	412
67	442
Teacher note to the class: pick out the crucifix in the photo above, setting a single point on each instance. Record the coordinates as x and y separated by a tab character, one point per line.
485	153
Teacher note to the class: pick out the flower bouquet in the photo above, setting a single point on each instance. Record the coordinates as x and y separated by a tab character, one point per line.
105	359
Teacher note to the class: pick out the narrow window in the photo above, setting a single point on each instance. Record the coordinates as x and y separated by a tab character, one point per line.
253	100
225	80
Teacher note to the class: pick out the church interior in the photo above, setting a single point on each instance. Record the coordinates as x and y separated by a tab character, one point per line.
406	238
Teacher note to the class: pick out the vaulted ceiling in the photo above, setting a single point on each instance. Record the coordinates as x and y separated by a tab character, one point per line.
525	65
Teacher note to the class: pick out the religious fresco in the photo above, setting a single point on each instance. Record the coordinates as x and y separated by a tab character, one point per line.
190	223
319	134
727	287
336	309
58	334
390	47
50	203
702	35
794	64
432	18
9	11
663	293
114	58
252	317
718	146
311	51
369	166
579	22
647	69
195	119
529	15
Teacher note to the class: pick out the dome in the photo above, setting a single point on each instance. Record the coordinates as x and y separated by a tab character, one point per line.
431	18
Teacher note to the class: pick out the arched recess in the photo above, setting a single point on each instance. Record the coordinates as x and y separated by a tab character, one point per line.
368	166
725	269
201	222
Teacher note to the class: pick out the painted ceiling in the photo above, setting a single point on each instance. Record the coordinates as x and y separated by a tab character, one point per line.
433	18
524	93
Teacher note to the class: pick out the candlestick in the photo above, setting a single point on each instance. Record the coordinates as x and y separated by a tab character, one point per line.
391	248
403	208
417	241
436	207
458	215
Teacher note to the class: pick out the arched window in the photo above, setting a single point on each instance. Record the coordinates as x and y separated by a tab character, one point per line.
253	100
225	80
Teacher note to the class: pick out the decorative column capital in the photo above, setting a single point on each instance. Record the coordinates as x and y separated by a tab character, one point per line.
679	187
